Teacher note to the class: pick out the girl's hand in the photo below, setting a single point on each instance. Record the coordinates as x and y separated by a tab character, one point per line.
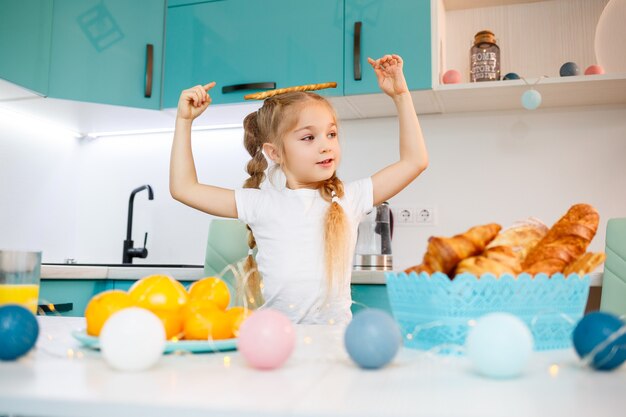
194	101
388	70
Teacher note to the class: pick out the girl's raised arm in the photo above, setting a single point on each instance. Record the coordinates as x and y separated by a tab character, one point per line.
184	185
413	155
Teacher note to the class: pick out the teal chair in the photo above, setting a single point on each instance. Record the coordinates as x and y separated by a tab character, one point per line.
614	280
227	244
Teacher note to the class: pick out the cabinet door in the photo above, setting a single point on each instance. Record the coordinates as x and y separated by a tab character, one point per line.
100	51
369	296
72	293
240	43
25	31
386	27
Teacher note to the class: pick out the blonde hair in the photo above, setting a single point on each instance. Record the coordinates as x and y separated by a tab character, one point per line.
277	116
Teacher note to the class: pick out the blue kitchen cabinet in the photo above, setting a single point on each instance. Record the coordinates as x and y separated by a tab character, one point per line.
247	46
369	296
377	27
107	51
70	293
25	32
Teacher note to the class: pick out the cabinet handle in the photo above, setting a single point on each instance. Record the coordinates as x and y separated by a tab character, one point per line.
56	308
357	51
249	86
149	69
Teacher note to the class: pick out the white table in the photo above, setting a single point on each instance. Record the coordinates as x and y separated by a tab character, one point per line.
60	378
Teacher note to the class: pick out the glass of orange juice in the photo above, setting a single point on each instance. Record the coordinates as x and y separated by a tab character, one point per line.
20	273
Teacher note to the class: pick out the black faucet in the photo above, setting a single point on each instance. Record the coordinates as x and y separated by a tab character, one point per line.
129	251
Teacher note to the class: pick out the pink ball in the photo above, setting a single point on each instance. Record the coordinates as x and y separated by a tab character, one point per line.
594	69
451	77
266	339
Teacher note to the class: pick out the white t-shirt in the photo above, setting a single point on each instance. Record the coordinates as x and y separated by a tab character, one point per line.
288	226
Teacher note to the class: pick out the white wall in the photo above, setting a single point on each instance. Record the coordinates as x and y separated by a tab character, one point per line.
37	187
496	167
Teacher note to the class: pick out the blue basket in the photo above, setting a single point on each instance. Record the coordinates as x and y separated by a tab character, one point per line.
436	312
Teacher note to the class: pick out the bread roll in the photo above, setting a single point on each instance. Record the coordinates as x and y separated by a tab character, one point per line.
565	242
521	237
585	264
496	260
443	253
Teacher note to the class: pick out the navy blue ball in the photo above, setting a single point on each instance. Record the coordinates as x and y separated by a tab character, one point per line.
511	76
18	331
372	338
568	69
594	329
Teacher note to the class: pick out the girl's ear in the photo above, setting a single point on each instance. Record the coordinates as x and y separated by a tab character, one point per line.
272	152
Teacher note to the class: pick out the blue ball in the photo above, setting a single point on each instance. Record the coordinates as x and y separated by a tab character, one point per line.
372	338
511	76
18	331
568	69
531	99
594	329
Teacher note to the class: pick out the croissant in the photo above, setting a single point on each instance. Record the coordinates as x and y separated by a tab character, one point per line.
496	260
565	242
585	264
443	254
521	237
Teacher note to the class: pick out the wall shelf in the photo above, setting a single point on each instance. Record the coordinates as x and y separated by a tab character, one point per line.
585	90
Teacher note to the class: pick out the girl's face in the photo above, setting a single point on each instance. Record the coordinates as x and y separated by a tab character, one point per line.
311	149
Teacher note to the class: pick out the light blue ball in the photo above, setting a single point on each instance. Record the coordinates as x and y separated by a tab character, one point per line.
531	99
372	338
568	69
499	345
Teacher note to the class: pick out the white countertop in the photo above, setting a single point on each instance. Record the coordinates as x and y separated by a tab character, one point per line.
181	274
189	274
318	380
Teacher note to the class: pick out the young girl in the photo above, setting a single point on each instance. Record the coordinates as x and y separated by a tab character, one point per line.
305	231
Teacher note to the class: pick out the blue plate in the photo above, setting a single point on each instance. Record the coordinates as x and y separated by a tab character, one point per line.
192	346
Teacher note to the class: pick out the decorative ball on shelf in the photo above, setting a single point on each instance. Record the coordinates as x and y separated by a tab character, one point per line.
266	339
568	69
372	338
594	70
531	99
451	77
18	331
601	338
511	76
132	339
499	345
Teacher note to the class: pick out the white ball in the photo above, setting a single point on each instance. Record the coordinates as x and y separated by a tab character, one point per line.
133	339
499	345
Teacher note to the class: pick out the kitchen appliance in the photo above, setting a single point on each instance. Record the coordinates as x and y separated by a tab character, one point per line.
373	246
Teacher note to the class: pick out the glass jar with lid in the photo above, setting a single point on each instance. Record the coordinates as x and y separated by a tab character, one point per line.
484	58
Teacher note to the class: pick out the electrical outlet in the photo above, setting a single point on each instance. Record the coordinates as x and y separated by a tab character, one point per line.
425	215
404	216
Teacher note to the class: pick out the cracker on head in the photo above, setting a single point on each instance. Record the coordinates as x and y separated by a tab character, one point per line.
270	93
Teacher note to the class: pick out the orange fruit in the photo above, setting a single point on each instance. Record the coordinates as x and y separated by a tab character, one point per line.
237	316
207	324
172	323
159	292
212	289
195	304
102	306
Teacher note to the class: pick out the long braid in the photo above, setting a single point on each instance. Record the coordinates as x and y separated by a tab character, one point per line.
253	142
336	234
